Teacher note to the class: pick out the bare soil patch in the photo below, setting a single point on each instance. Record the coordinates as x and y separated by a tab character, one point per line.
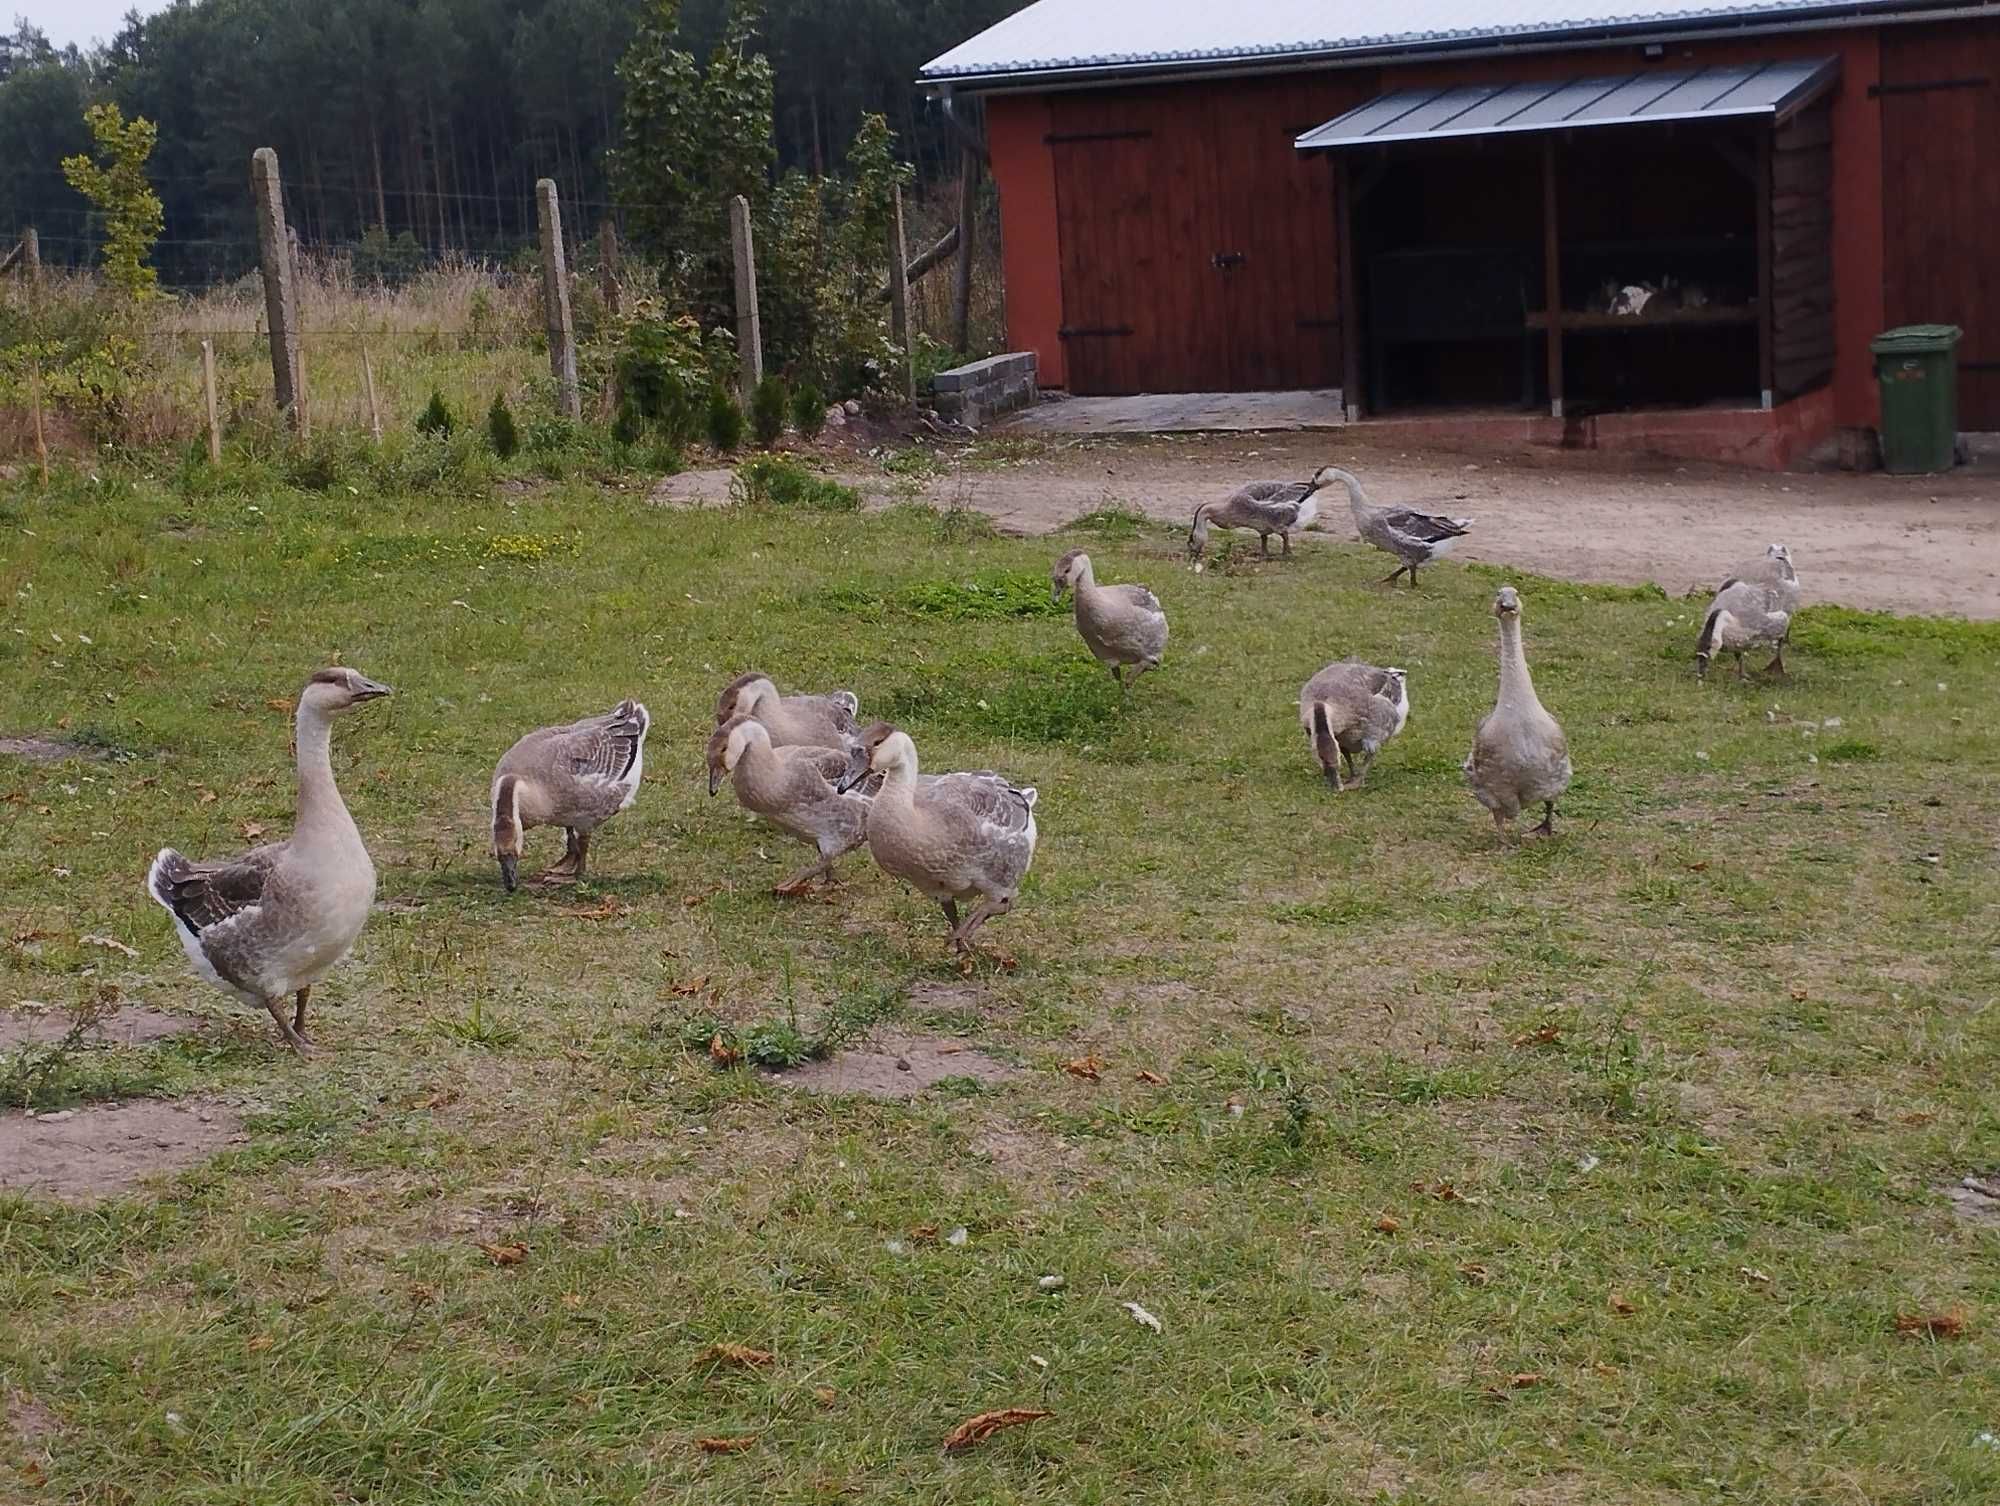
45	749
898	1066
28	1420
81	1155
1977	1199
128	1025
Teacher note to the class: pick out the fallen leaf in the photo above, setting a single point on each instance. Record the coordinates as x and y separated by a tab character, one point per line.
281	703
251	830
1945	1325
1143	1318
1622	1305
1544	1035
691	900
572	1300
205	797
260	1343
986	1424
721	1052
1603	1369
1750	1273
692	987
736	1354
1798	995
1918	1118
1478	1275
1150	1077
22	938
825	1395
605	910
924	1233
422	1293
1701	867
508	1254
1387	1225
110	944
725	1445
1520	1380
1089	1068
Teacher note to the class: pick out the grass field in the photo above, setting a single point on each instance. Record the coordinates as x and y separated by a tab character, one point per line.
1601	1170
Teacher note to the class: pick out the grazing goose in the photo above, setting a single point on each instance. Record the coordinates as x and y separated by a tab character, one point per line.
1743	616
270	924
1120	625
957	837
1772	569
1519	754
793	788
576	777
821	721
1415	538
1349	711
1280	507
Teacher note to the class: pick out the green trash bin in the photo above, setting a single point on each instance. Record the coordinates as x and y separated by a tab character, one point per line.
1916	368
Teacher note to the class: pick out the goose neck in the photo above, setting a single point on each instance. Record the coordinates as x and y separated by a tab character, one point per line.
1516	686
320	805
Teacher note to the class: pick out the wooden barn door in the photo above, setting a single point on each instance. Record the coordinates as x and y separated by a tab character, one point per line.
1940	97
1107	218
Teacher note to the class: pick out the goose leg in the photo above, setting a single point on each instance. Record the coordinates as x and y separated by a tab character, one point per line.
1332	772
571	865
1358	771
299	1016
801	881
1390	578
1741	674
1777	664
1264	540
1500	824
1118	674
1547	828
582	851
1413	575
290	1036
1286	540
950	908
985	910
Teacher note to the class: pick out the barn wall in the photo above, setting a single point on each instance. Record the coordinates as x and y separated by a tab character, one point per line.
1030	255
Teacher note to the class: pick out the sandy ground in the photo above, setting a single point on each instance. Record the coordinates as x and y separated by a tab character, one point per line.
1904	544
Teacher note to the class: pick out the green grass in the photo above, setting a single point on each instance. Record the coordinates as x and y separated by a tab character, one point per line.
1654	1114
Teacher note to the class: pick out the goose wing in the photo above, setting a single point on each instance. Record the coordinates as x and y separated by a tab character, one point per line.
1277	502
607	747
1138	596
838	708
830	763
1000	807
203	896
1424	527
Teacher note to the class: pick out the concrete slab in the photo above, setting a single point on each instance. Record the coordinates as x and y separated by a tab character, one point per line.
1182	413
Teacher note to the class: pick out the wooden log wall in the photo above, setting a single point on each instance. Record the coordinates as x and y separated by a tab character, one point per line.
1802	253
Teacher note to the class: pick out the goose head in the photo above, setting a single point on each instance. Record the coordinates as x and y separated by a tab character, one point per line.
1328	475
726	746
882	749
332	691
1507	605
741	695
1397	694
1720	624
1073	569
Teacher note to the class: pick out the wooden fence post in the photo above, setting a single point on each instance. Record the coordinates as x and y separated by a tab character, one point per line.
35	402
899	294
208	396
961	289
749	332
274	250
368	386
31	257
305	399
555	299
607	263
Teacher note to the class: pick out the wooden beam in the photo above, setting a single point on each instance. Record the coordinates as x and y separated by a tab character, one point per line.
1766	300
1350	300
1552	276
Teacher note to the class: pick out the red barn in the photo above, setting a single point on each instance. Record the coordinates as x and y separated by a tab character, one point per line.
1675	229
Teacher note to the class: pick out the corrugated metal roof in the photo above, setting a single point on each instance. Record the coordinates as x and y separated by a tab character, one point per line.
1094	37
1613	99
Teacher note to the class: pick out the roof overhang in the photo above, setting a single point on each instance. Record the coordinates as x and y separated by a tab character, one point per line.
1769	18
1773	90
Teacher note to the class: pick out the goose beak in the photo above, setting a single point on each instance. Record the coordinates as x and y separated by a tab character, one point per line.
857	770
508	874
371	690
714	778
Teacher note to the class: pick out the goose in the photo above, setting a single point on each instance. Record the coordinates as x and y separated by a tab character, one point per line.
1349	711
1280	507
958	837
270	924
822	721
1121	625
1519	754
1415	538
1772	569
1743	616
793	788
577	777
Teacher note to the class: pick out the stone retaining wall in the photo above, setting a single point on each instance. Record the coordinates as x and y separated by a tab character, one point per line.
982	391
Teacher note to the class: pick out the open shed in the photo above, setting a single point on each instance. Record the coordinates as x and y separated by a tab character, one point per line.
1676	230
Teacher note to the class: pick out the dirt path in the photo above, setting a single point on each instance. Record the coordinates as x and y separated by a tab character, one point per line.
1918	544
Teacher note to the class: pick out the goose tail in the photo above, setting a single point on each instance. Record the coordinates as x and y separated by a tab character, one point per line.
1326	747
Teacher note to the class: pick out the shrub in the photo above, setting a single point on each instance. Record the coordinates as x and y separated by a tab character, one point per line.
629	425
500	428
775	480
725	421
767	411
317	465
808	410
436	418
664	370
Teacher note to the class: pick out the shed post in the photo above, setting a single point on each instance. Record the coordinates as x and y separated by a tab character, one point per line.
1552	275
1767	344
274	251
1350	312
555	299
749	333
961	289
899	294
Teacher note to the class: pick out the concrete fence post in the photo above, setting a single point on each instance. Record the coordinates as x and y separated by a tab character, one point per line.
208	402
31	256
555	299
749	332
607	264
899	295
274	251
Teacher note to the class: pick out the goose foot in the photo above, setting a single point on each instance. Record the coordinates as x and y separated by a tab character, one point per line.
1286	539
1333	779
1390	578
802	881
1264	540
286	1031
1776	668
299	1016
1547	826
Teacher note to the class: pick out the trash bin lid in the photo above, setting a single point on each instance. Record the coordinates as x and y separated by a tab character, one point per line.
1916	339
